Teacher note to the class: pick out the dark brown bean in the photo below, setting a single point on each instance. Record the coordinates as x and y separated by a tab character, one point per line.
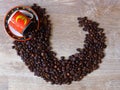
37	53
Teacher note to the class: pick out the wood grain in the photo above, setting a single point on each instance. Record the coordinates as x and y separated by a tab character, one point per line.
14	75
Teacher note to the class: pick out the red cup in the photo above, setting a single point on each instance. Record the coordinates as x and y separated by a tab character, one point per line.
19	22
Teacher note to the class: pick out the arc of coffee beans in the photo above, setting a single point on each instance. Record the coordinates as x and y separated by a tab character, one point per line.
38	55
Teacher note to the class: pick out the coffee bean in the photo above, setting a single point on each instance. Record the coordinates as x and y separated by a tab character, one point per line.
13	47
37	53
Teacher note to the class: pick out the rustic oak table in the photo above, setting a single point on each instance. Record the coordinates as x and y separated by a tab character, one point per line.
66	37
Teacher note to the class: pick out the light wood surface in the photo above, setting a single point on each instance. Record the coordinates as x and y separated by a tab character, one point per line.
67	36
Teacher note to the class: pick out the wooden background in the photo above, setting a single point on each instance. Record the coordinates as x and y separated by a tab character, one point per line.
67	36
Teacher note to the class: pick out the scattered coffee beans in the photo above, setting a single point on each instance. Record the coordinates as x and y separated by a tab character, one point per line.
38	55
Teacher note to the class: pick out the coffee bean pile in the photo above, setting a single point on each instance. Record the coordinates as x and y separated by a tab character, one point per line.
37	52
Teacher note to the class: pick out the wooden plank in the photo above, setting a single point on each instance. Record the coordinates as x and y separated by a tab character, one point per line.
14	75
3	82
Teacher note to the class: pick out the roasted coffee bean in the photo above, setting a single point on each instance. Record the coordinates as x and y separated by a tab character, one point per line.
37	53
13	47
